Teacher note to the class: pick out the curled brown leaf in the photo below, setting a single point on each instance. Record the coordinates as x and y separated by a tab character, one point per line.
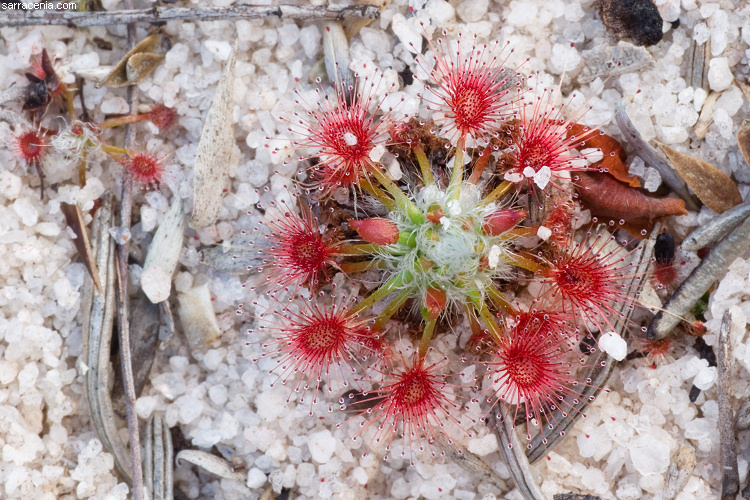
607	197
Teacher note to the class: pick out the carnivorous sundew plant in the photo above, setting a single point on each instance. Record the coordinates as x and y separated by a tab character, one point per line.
463	222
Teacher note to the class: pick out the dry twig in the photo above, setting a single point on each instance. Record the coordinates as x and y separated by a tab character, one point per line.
730	480
161	14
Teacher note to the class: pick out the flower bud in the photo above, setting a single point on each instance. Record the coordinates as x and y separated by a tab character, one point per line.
434	303
501	221
376	230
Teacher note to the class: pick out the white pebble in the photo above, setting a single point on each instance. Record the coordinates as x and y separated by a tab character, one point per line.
720	76
484	445
114	105
405	31
255	478
473	11
614	345
156	284
10	185
705	378
521	13
220	49
649	455
322	445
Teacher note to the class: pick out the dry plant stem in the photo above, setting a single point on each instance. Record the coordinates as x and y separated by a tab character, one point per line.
730	480
516	458
123	312
699	281
161	14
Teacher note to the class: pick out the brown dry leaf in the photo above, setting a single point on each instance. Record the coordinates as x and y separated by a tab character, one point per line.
743	140
614	164
714	188
137	63
74	218
607	197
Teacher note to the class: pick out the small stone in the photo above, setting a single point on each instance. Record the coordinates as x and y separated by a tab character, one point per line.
705	378
255	478
637	19
405	31
484	445
614	345
720	76
220	49
322	445
649	455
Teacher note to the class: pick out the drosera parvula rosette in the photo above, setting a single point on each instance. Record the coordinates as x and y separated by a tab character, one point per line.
447	239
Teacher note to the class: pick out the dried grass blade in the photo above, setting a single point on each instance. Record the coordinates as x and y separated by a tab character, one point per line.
74	218
214	151
719	227
730	478
100	310
518	463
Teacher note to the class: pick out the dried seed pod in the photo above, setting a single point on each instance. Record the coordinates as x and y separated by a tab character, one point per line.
743	139
336	52
235	256
678	472
714	188
144	330
213	159
137	63
636	19
614	60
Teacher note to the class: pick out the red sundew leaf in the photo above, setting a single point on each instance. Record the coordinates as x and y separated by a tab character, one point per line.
609	198
614	164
